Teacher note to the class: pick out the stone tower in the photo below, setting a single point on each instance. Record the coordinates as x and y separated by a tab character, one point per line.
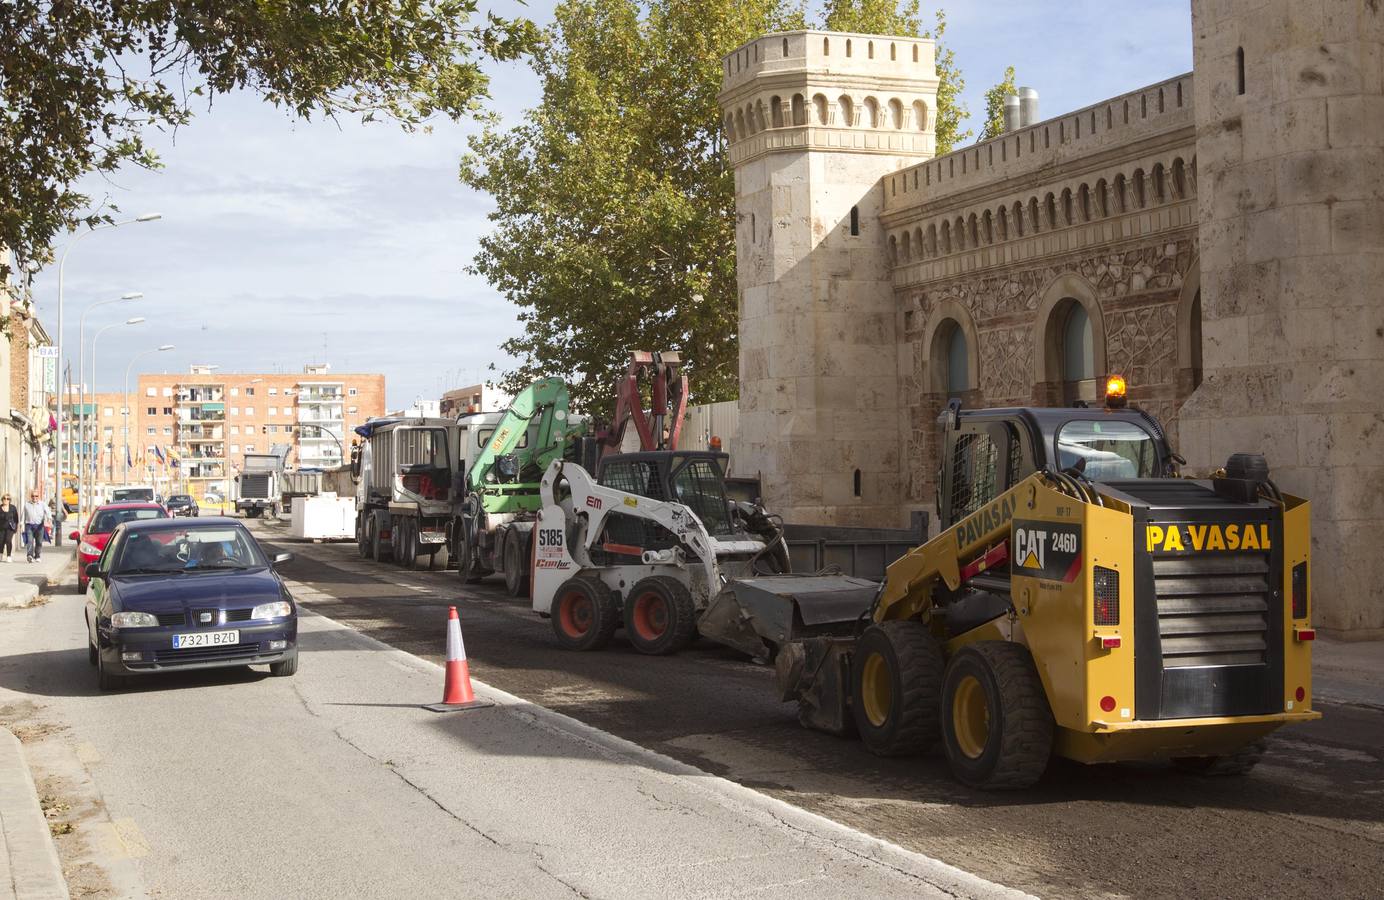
1290	145
815	120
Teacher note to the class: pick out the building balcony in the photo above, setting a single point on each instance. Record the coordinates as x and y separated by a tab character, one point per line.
319	414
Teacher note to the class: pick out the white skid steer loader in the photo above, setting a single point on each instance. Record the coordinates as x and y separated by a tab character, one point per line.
605	557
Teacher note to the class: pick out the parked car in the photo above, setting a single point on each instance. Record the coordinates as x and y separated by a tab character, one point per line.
169	595
212	498
181	505
104	520
134	493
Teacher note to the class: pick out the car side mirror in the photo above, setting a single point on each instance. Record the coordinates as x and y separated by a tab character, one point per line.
93	570
75	535
283	558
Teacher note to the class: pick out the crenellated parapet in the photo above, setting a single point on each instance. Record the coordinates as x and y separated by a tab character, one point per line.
830	90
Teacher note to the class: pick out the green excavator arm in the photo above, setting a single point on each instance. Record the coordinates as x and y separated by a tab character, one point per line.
546	400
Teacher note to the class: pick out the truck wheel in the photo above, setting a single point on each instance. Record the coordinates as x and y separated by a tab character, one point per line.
659	615
584	614
1238	763
517	563
362	537
468	562
407	550
896	678
379	549
997	727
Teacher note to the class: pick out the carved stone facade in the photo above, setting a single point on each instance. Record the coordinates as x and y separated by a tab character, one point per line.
877	281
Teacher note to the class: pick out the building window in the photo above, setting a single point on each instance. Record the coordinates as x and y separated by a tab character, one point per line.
351	409
168	429
235	429
273	391
272	429
150	392
249	448
168	392
351	391
1078	355
249	392
152	410
151	430
273	410
855	224
958	362
1239	70
235	448
235	410
108	411
168	410
235	392
249	410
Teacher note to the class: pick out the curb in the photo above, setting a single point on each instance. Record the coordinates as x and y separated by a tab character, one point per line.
925	869
29	864
19	594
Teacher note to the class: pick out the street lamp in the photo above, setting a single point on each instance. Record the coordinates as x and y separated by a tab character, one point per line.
96	337
340	448
62	266
160	349
81	389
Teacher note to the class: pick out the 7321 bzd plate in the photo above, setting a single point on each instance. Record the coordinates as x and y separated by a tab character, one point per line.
205	639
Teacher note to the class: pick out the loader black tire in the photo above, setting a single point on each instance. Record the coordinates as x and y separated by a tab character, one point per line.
584	614
1238	763
997	727
516	562
896	688
660	617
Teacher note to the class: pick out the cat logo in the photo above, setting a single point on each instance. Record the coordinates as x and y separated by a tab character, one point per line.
1047	550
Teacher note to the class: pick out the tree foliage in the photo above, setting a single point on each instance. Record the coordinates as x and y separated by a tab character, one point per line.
82	82
615	202
994	105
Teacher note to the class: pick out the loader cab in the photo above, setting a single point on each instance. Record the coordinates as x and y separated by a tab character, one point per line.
694	478
986	452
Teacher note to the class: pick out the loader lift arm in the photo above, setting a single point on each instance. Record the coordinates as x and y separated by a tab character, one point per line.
667	403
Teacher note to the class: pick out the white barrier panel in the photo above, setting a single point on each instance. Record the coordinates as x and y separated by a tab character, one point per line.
324	517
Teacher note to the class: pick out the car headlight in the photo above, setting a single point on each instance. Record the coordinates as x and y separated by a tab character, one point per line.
88	549
134	620
275	610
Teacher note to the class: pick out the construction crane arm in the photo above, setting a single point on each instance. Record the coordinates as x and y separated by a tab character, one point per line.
546	398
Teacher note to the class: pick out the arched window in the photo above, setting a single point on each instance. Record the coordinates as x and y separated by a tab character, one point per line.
972	232
799	110
847	110
1120	198
1159	187
1002	224
826	46
871	112
1067	218
855	221
893	250
819	107
1179	179
1138	189
946	237
915	52
959	233
785	48
848	46
870	49
1018	218
776	112
932	240
918	246
987	227
1033	218
1239	70
1051	203
1078	351
906	247
896	114
1083	203
919	114
893	51
1102	200
958	361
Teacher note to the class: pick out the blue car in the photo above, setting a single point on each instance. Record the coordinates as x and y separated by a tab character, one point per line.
172	594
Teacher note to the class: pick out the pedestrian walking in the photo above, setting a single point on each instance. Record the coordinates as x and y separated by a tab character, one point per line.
9	524
36	517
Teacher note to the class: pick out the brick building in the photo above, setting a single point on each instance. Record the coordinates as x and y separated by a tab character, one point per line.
209	420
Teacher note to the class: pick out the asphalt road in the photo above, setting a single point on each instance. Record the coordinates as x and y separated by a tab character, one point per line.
1309	821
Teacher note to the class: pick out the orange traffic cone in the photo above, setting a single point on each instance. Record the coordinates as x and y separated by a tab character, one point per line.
456	691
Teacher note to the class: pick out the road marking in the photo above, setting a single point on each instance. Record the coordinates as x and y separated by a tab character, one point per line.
131	840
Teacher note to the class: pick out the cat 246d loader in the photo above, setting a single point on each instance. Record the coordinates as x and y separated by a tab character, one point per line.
1081	599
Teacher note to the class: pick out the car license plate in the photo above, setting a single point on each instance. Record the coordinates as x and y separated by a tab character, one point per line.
205	639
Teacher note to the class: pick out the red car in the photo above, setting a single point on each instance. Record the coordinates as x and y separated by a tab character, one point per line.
103	521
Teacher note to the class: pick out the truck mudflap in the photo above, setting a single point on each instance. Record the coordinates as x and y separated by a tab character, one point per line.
761	615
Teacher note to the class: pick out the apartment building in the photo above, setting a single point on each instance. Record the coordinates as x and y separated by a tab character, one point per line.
208	420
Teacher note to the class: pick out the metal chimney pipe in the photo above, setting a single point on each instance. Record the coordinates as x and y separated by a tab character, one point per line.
1013	118
1028	106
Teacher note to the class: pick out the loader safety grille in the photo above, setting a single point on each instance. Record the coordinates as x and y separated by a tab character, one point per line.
1212	609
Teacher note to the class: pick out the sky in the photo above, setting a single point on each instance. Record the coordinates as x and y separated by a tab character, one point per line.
284	243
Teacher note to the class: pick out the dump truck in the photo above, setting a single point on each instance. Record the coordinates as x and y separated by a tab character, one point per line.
407	473
1081	599
258	486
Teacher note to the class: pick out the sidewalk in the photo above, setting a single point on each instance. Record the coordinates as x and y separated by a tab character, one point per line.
20	581
1348	672
29	865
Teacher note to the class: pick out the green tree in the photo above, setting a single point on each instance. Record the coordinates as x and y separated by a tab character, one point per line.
994	105
82	82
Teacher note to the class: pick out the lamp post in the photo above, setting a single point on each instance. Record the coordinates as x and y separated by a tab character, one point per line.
160	349
96	337
62	266
82	444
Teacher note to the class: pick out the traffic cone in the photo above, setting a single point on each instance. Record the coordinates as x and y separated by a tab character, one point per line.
456	691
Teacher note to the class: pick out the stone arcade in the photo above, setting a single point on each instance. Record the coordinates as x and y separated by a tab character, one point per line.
1217	238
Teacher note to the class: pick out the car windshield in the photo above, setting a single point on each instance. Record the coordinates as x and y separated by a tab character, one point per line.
180	498
104	521
127	494
1103	450
196	549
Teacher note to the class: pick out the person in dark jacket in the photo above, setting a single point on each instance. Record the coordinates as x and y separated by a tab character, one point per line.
9	524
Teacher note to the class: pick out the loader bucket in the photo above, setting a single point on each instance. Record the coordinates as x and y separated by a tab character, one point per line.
757	615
